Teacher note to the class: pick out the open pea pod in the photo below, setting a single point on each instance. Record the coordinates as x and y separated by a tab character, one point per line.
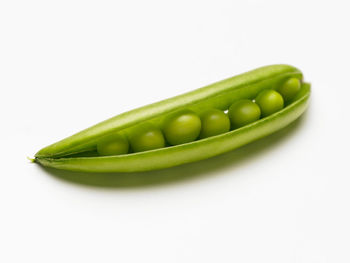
72	153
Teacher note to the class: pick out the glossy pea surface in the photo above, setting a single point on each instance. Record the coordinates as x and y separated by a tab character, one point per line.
214	122
269	101
147	138
289	89
113	145
243	112
182	128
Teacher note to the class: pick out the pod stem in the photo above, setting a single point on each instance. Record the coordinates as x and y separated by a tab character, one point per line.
32	160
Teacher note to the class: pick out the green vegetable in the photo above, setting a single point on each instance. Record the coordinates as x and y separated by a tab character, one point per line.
243	112
269	101
214	122
72	152
113	145
289	89
182	128
146	138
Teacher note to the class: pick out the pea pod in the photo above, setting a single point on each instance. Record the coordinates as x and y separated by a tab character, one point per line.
65	153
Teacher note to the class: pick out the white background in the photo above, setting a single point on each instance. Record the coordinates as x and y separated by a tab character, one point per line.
66	65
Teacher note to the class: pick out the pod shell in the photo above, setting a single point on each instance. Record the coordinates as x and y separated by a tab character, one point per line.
218	95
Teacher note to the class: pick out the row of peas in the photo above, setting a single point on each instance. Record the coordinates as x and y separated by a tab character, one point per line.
188	126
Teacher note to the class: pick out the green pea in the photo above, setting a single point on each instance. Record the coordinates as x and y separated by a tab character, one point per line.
214	122
243	112
182	128
289	89
269	101
146	138
113	145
